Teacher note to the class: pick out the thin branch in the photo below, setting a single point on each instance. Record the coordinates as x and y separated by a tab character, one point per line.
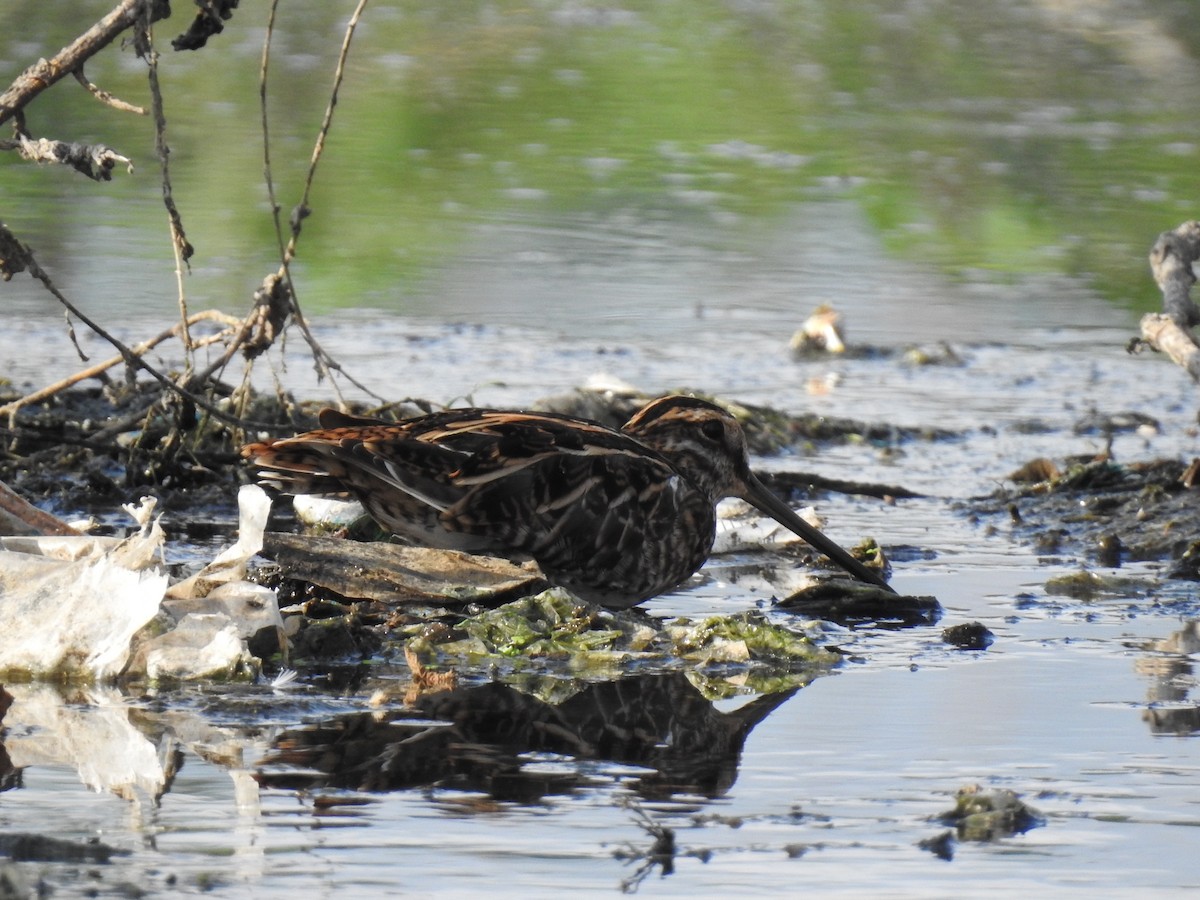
105	97
10	409
180	247
127	354
325	363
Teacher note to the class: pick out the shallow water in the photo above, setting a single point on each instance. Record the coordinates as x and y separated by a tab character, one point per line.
837	785
682	286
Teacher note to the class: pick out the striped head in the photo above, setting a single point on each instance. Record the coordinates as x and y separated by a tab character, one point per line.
702	441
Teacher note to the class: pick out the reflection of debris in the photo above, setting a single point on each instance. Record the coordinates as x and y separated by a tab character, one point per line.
940	845
1096	422
989	815
1179	720
968	636
837	600
1168	662
661	853
89	731
424	678
939	354
41	848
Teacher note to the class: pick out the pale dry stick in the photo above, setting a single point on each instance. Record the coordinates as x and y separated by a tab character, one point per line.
11	408
325	363
105	97
180	247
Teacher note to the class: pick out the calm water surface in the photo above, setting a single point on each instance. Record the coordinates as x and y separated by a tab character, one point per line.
519	199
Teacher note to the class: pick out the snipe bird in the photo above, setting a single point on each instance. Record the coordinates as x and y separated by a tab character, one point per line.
616	517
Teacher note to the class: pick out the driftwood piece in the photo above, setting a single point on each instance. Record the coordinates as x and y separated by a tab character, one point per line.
19	516
393	573
1170	331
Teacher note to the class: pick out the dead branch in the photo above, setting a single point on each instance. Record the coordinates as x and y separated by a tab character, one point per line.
46	72
1170	331
96	161
10	409
324	363
17	514
105	97
131	359
275	303
14	256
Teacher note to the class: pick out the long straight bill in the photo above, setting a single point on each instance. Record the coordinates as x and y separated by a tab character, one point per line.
758	494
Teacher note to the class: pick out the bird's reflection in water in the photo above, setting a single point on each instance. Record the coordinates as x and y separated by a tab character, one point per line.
1168	663
480	738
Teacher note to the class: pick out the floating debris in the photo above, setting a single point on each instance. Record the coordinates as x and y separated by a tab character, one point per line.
989	815
837	600
968	636
88	598
1088	585
820	333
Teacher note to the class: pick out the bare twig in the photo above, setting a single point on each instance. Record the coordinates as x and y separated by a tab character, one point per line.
325	364
10	409
105	97
179	243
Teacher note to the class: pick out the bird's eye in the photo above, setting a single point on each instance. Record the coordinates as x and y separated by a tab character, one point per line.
713	430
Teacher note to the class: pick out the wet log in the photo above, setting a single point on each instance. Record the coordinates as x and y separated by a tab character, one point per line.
396	574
